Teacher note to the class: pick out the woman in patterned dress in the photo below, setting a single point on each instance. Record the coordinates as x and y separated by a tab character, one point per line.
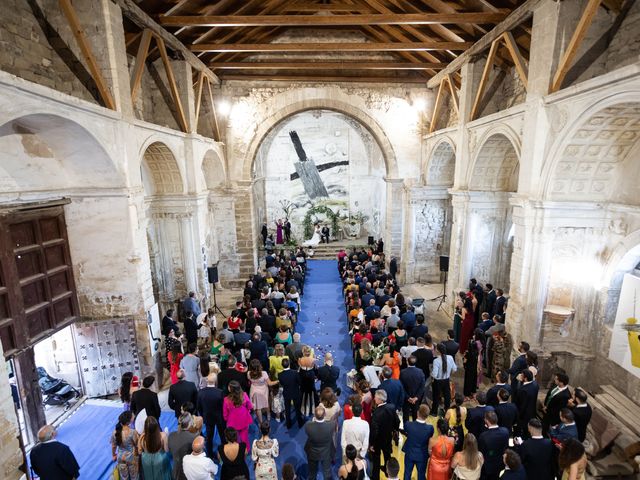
263	453
124	441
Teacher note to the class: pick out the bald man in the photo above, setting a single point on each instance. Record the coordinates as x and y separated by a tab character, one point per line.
197	466
52	460
328	374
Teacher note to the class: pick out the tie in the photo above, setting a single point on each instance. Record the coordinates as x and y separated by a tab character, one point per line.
553	392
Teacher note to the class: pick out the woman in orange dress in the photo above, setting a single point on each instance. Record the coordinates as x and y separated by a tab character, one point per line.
441	449
392	360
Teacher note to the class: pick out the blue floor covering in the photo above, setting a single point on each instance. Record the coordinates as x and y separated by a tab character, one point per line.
322	324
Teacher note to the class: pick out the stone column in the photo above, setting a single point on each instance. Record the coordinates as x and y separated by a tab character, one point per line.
189	249
10	453
394	218
458	279
184	80
245	229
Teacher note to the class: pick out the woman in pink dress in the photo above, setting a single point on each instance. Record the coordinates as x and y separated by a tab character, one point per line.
236	411
468	325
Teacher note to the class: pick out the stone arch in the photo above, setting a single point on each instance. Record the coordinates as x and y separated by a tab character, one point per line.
495	166
37	147
327	104
213	170
160	163
586	163
440	169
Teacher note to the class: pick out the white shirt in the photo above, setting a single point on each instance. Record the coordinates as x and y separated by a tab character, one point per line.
199	467
355	431
407	351
437	372
370	373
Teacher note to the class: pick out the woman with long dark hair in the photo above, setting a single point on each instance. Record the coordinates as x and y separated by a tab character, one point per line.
472	362
153	445
236	411
124	391
264	452
124	451
572	460
456	417
443	366
354	467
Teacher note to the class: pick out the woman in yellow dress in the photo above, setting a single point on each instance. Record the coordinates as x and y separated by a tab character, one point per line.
456	417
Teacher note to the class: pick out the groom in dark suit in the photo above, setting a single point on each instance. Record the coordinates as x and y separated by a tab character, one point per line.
325	234
557	398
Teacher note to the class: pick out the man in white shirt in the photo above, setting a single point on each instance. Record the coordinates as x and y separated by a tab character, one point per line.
197	466
355	431
407	351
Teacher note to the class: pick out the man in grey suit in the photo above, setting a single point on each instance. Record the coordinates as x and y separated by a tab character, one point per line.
319	446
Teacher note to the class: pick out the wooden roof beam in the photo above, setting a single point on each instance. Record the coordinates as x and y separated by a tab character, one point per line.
140	18
316	78
329	20
331	47
518	16
320	65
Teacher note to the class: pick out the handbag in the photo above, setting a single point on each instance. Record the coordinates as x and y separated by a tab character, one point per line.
116	473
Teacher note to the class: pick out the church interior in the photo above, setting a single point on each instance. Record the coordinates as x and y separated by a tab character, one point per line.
144	142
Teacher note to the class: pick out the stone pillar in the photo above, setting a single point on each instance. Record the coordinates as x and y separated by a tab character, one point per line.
394	218
245	230
457	250
10	453
189	249
184	80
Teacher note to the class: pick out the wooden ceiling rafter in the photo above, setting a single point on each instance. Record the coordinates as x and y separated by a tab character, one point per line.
232	21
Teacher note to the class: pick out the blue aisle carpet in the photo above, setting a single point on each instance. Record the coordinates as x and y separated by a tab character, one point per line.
322	324
88	432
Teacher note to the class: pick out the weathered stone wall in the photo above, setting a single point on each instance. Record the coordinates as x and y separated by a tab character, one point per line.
508	92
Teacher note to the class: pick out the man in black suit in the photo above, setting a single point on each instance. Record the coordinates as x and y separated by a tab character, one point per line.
581	412
230	374
264	231
287	230
476	288
328	374
251	291
475	416
501	382
420	330
507	412
501	304
52	460
491	298
168	323
393	266
519	364
259	351
290	383
413	381
393	388
191	328
146	399
566	429
492	445
384	421
182	392
210	401
319	446
557	398
325	234
537	453
526	399
450	344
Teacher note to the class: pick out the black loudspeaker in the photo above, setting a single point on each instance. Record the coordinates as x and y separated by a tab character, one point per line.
370	240
444	263
212	274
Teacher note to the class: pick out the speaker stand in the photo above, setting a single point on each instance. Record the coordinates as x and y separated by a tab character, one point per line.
443	297
215	303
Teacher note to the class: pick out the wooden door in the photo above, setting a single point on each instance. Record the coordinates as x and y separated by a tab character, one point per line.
37	289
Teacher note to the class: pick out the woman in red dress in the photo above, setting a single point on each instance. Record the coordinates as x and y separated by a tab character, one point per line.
468	325
174	357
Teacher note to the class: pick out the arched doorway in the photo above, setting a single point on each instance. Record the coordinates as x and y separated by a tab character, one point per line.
59	187
490	244
169	250
321	157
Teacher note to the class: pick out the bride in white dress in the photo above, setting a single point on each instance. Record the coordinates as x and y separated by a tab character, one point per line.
315	239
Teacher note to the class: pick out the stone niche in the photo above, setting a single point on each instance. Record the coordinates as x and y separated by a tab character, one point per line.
350	165
431	237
